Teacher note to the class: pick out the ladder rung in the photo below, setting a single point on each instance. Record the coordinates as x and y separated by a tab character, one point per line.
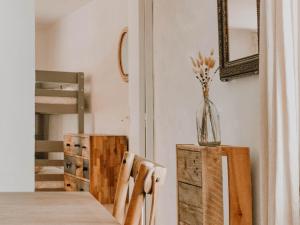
49	146
49	177
47	162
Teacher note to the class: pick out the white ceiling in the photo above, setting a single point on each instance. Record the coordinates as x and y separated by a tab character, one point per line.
49	11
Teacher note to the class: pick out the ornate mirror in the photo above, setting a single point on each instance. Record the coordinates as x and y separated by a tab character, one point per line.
238	38
123	54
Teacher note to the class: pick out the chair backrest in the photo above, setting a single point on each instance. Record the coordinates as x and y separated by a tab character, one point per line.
148	176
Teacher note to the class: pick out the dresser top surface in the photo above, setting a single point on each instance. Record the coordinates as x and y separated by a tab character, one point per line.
193	147
94	135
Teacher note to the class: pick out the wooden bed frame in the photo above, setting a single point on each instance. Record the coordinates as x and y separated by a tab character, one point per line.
43	146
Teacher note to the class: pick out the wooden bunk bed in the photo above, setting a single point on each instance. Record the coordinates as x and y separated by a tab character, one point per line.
56	93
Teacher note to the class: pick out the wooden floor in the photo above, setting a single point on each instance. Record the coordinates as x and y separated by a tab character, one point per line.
58	208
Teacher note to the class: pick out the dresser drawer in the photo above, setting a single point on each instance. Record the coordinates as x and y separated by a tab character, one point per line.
72	145
68	144
85	146
190	194
73	184
70	164
83	186
189	215
86	169
73	165
77	145
189	167
70	183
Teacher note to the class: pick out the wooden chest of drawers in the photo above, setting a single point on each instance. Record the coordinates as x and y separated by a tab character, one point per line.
91	163
213	185
76	162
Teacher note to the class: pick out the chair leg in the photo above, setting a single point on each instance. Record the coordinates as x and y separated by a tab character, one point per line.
155	183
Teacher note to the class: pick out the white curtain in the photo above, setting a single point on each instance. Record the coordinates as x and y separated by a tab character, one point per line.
279	86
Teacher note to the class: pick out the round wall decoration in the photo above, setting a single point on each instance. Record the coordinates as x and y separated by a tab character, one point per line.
123	54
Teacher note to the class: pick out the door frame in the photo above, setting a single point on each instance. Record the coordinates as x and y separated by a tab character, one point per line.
149	80
141	81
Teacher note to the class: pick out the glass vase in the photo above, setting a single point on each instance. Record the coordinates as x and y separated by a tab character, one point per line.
208	124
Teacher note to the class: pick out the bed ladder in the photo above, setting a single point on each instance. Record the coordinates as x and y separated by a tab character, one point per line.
42	149
43	146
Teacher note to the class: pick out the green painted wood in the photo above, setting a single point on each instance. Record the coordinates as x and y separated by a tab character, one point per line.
80	103
48	162
49	177
49	146
56	108
55	76
55	93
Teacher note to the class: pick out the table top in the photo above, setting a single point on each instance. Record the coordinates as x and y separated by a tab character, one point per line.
53	208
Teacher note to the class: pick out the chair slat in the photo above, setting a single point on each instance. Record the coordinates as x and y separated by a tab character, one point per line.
123	186
148	176
137	200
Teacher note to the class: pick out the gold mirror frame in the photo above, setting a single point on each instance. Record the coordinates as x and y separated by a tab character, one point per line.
237	68
124	75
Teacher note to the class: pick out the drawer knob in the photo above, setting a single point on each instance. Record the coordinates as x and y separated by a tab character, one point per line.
77	145
81	189
68	145
68	185
84	147
85	169
68	165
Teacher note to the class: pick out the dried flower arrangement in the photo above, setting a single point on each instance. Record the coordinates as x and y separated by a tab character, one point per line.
202	67
207	118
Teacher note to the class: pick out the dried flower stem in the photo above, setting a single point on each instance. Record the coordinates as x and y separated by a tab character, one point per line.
202	67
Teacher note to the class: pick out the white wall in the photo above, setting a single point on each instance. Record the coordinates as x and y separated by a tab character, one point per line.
87	40
181	29
17	95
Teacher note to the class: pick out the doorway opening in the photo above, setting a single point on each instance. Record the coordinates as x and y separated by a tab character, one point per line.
80	91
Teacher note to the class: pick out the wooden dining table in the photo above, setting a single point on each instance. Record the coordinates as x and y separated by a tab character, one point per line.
53	208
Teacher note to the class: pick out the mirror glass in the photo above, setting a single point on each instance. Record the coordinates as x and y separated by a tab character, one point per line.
242	28
124	53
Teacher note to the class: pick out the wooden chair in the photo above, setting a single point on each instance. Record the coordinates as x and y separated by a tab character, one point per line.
148	176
